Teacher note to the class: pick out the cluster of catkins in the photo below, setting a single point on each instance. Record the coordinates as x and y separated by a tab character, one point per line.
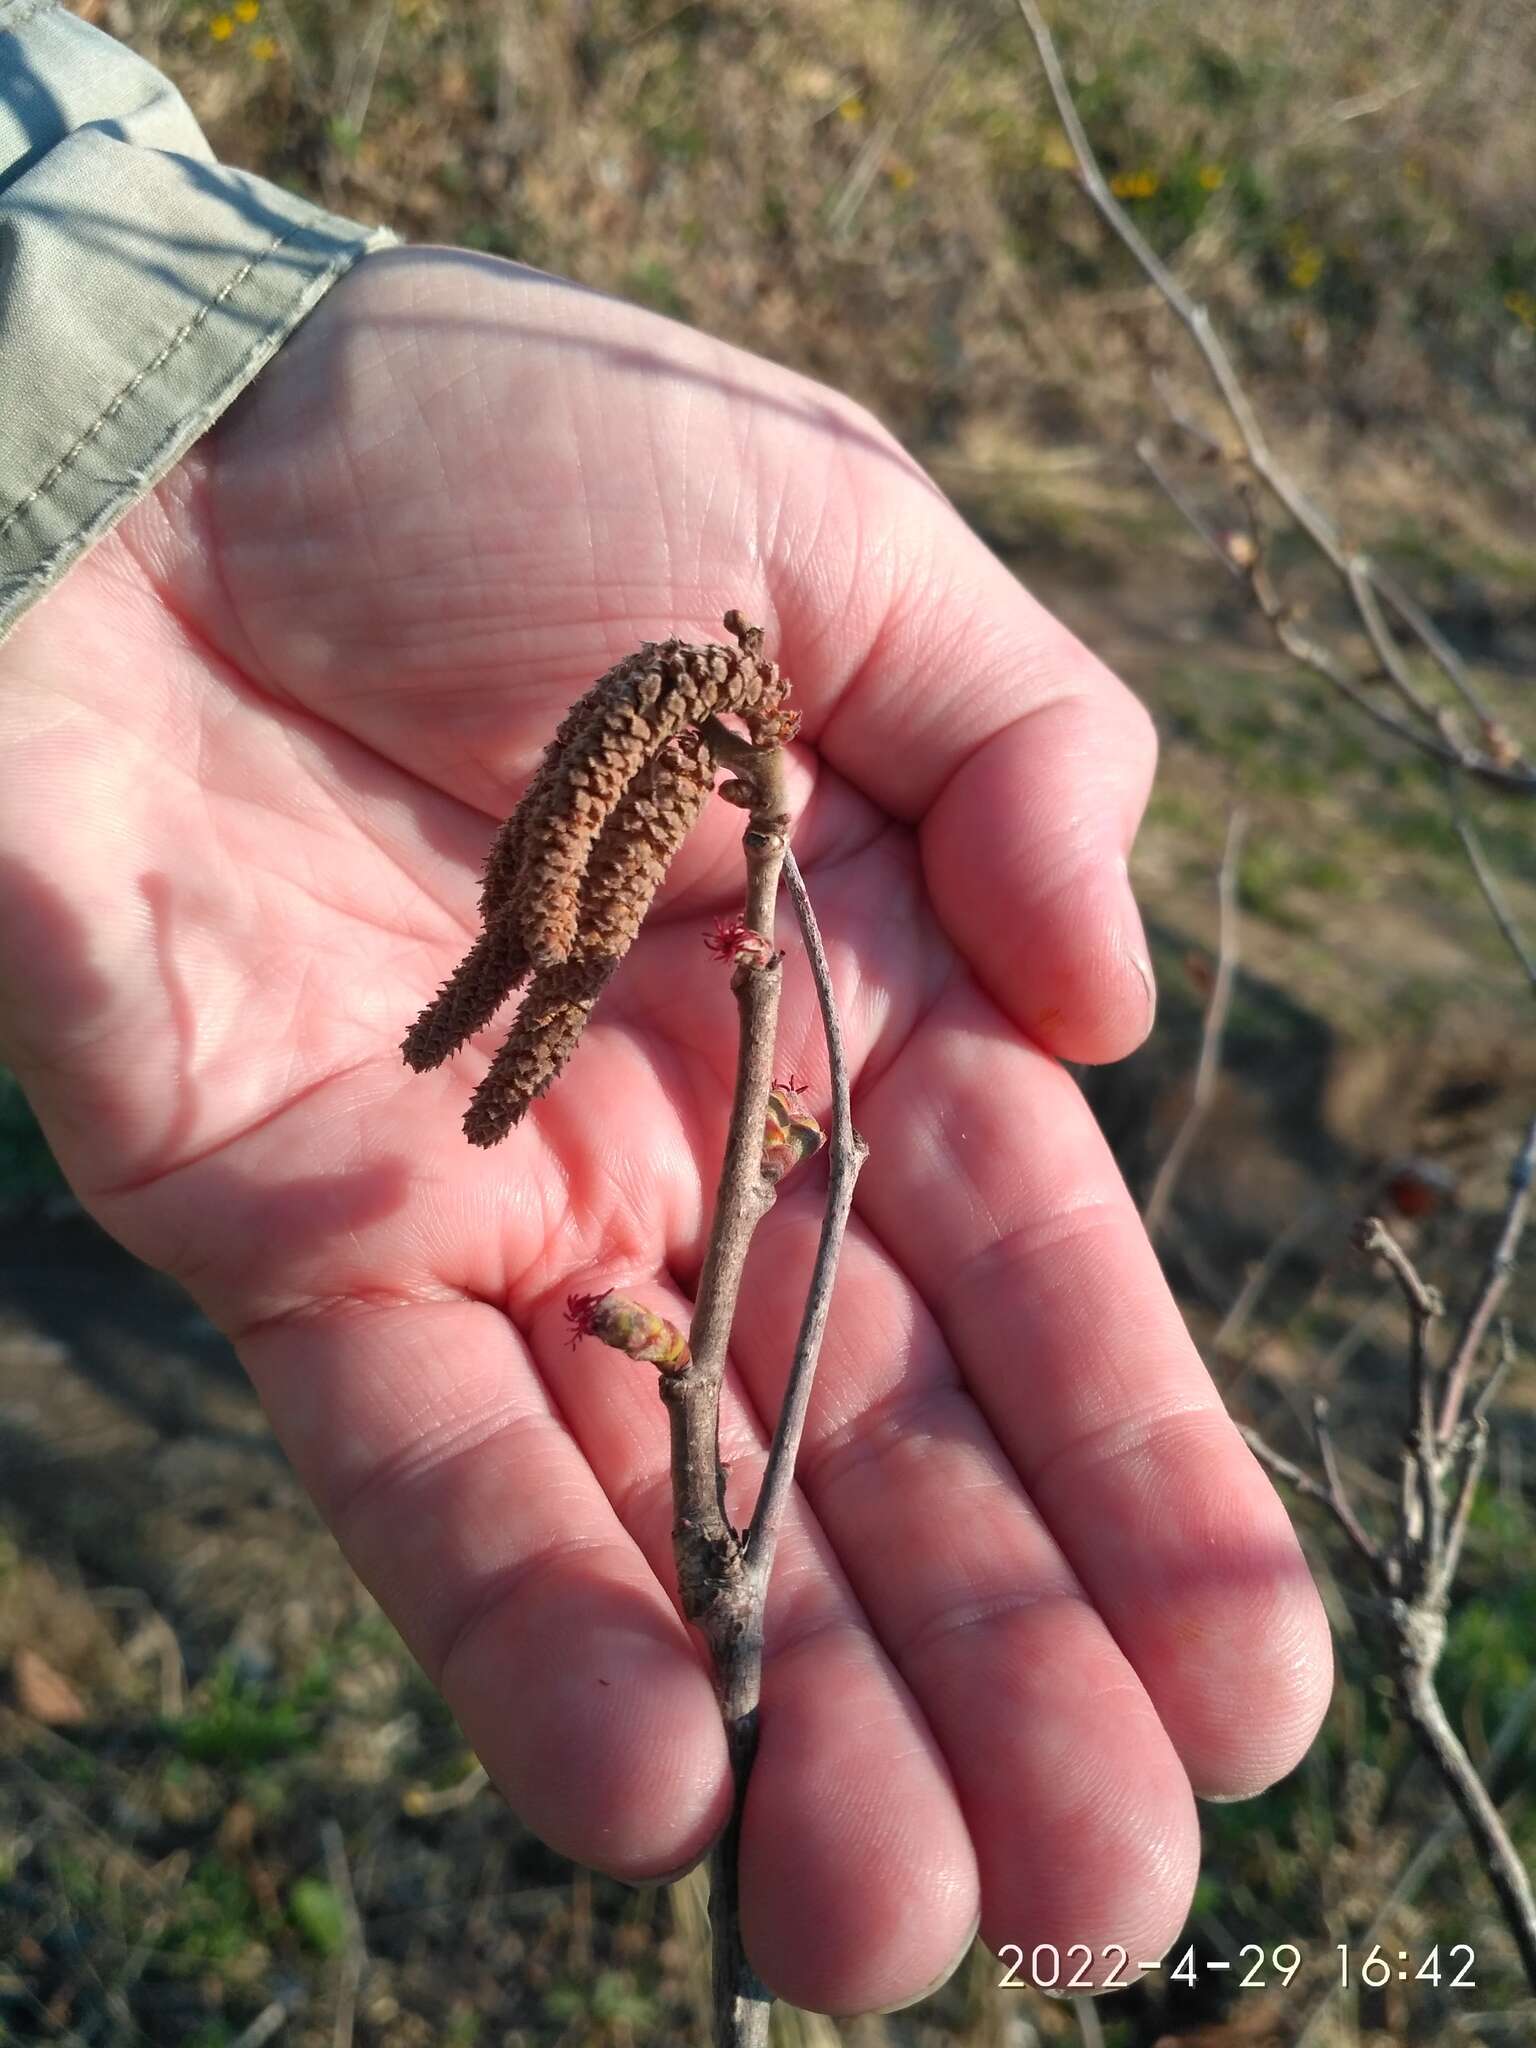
573	870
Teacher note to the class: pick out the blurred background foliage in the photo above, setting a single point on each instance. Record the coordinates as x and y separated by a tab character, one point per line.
216	1762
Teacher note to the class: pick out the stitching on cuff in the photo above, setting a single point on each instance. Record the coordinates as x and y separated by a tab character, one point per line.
27	11
182	335
36	582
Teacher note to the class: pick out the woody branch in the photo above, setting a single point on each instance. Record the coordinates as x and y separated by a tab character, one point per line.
1413	1568
567	884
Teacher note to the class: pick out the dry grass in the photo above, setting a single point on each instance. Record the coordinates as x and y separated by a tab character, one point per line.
877	193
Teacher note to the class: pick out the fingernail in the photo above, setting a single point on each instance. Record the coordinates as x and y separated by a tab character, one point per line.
1143	967
1133	943
942	1978
645	1884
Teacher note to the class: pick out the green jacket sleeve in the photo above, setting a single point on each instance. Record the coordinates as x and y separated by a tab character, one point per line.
142	286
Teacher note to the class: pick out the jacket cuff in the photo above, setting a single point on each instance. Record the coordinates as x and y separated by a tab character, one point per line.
142	287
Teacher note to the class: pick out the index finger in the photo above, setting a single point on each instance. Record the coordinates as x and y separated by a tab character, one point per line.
1026	766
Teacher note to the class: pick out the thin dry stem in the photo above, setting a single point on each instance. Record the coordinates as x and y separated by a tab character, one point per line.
1298	1477
1337	1494
1423	1500
1440	1742
848	1153
713	1583
1473	1455
1413	1572
1493	896
354	1955
724	1575
1495	1280
1300	645
1152	462
1255	1286
1422	1301
1357	574
1208	1066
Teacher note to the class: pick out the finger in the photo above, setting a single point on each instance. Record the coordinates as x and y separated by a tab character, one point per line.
1001	1201
1028	765
426	1438
1080	1811
858	1878
650	464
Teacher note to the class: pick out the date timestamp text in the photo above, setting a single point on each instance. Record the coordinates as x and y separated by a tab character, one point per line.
1080	1968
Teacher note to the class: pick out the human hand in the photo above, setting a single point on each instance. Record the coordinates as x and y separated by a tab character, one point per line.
1035	1591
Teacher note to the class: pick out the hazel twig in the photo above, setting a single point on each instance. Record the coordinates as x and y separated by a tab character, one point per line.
849	1152
1212	1031
567	883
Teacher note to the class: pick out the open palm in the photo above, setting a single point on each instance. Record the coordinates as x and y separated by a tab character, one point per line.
1035	1591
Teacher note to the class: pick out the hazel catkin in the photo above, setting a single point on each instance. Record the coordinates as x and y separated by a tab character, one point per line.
571	874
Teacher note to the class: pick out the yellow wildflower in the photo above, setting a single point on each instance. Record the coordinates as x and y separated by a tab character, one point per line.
246	10
1134	184
221	28
1212	177
901	174
850	108
264	49
1306	268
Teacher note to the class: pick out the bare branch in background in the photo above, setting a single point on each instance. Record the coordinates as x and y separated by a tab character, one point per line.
363	68
1496	1276
1498	760
1245	558
1257	1284
1414	1570
1493	896
1421	1864
1338	1498
269	2022
1212	1032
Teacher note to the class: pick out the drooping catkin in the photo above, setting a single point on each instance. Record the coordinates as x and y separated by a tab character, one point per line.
572	872
548	1026
628	863
469	998
504	862
635	848
634	710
